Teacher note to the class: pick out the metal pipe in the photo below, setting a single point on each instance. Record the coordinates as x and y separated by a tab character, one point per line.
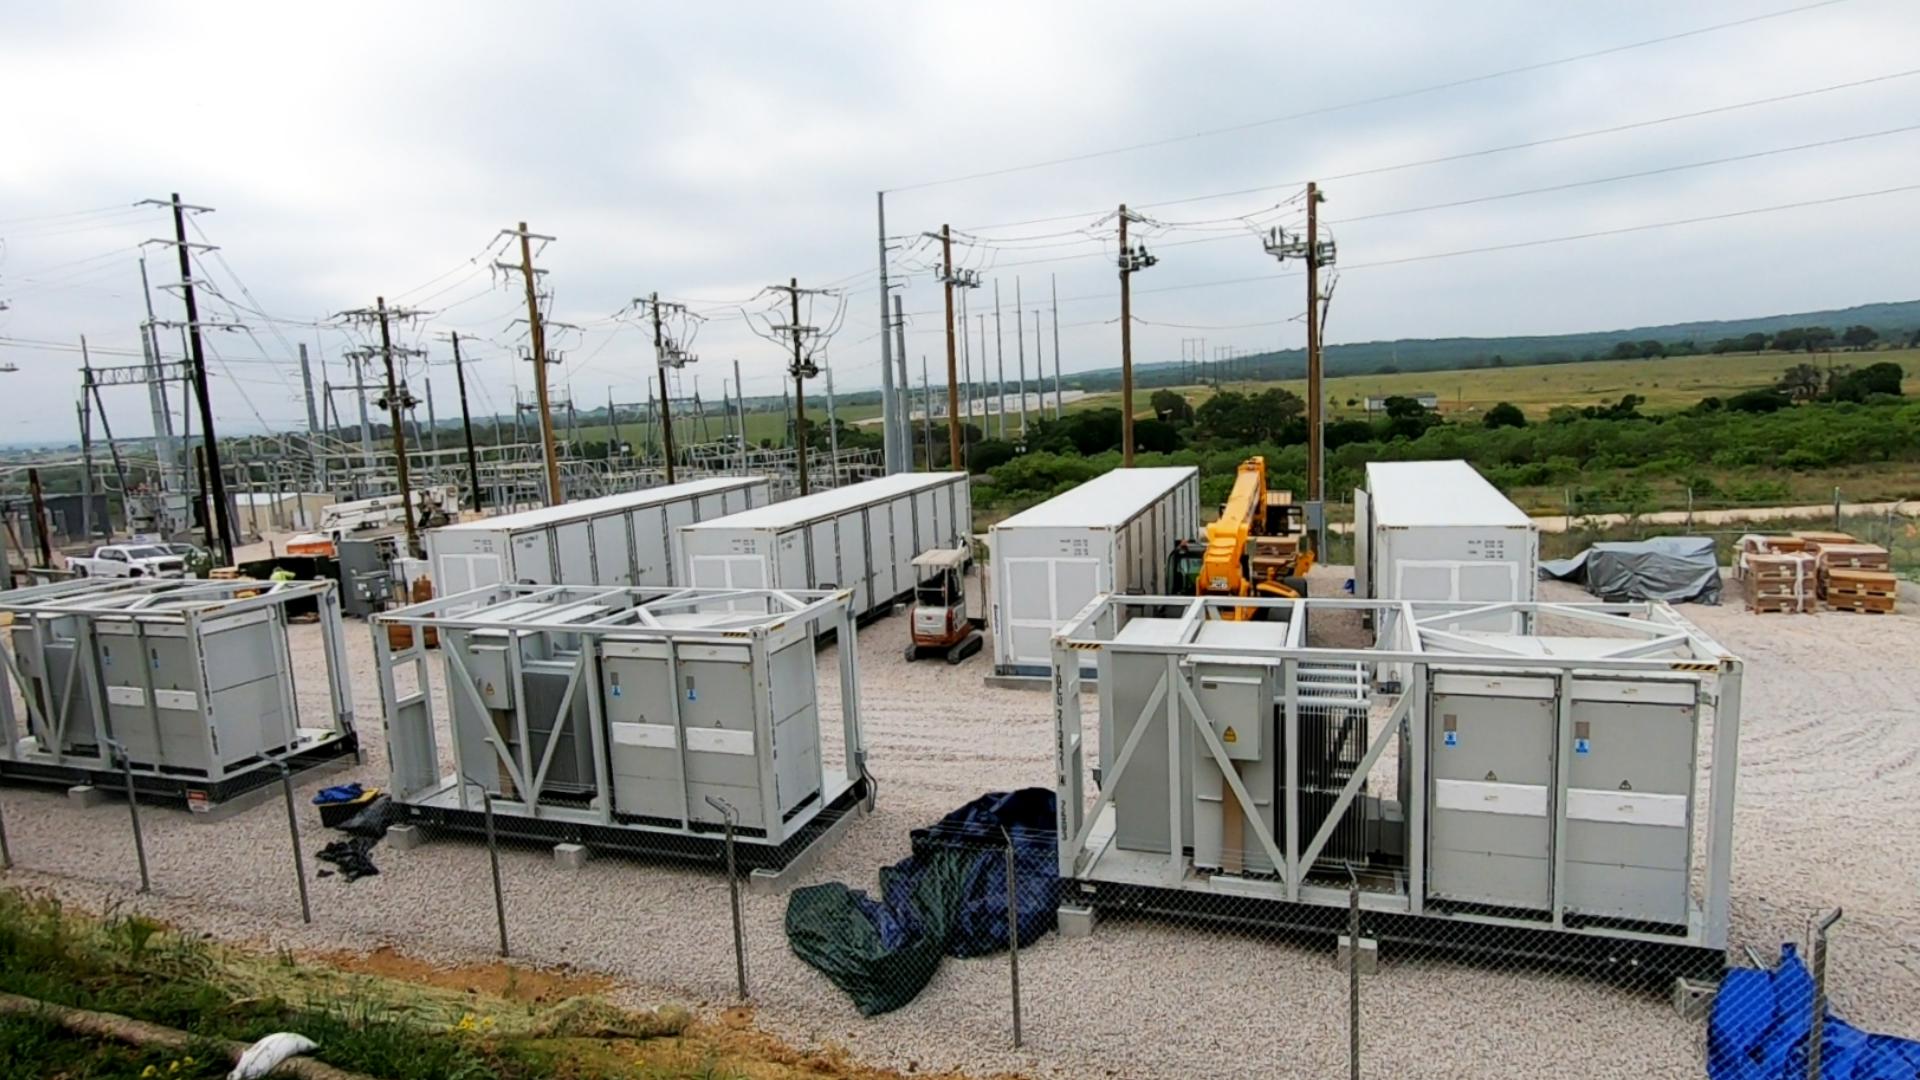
6	853
133	810
493	857
1815	1033
293	833
1353	973
729	814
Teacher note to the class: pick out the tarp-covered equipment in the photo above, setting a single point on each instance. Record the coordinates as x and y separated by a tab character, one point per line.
948	898
1670	568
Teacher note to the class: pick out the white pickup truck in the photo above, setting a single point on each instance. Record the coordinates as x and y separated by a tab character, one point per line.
129	560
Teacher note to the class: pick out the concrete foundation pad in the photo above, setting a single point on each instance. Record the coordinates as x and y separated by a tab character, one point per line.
1693	998
405	837
766	881
86	795
1041	683
570	856
1075	922
1369	955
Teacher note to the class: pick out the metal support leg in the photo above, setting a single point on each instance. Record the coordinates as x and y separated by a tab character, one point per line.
728	813
1013	933
293	837
6	853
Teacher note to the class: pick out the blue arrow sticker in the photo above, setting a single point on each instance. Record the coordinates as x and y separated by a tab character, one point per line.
1582	746
1453	738
692	695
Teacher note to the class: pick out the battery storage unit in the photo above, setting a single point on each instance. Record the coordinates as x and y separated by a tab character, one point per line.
186	684
862	537
628	720
1111	534
624	540
1438	531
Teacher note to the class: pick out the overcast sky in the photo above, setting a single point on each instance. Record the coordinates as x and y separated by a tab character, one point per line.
358	150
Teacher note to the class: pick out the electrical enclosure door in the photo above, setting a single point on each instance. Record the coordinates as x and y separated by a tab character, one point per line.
573	542
533	558
717	714
1490	755
1043	593
1449	579
643	743
1629	799
851	541
821	536
612	560
796	726
652	550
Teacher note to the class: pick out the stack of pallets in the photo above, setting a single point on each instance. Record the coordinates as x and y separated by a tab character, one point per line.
1857	577
1779	582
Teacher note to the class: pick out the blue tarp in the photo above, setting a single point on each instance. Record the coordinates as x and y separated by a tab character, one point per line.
1758	1031
947	898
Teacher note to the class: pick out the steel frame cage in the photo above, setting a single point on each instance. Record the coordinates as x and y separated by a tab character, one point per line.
626	614
148	605
1417	645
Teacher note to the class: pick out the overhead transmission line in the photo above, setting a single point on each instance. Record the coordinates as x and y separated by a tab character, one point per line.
1377	99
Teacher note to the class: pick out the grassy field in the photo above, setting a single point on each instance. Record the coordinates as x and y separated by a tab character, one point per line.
1667	384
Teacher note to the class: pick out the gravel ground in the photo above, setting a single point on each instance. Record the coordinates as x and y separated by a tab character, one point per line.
1829	755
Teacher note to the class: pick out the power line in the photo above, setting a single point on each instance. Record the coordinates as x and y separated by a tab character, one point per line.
1398	95
1485	151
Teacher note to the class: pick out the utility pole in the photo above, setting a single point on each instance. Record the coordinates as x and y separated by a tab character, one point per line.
433	424
40	517
1039	369
926	399
1283	245
903	388
890	427
669	353
999	361
536	331
980	393
1132	261
172	471
84	412
1020	351
92	387
740	405
466	421
1054	281
948	279
216	486
833	430
396	401
802	367
313	420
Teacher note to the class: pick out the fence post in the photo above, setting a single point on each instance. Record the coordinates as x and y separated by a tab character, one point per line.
6	853
729	814
1353	973
1836	508
493	857
1013	932
1689	507
133	811
293	834
1818	946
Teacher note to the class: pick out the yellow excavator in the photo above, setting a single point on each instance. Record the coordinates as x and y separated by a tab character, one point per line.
1252	549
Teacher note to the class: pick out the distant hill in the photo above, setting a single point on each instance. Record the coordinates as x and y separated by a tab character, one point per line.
1895	321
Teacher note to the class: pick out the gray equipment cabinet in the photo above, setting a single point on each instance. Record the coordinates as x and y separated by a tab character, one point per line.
1553	787
190	684
626	719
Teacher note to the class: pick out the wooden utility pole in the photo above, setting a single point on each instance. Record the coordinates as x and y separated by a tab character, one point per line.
669	353
1316	391
466	421
394	416
799	384
953	371
537	333
1132	261
40	518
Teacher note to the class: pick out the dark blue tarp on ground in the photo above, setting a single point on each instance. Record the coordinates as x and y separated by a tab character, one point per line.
948	898
1759	1027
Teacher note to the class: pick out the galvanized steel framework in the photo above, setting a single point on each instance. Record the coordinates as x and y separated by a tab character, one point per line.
586	616
1655	639
151	608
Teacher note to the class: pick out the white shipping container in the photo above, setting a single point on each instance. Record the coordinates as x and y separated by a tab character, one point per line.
1111	534
861	537
1437	530
624	540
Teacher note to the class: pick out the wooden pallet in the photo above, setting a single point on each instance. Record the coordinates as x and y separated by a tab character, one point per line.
1780	605
1875	605
1855	583
1815	536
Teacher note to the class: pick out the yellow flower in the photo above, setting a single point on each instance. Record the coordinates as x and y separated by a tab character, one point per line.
149	1071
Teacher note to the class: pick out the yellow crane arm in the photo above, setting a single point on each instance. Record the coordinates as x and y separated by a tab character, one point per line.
1221	570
